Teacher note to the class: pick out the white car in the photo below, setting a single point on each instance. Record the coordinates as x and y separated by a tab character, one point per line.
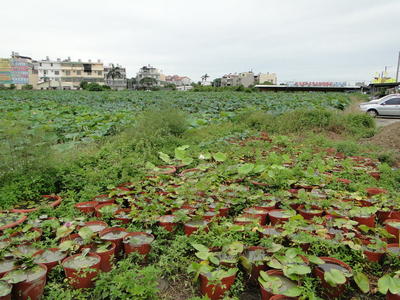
386	106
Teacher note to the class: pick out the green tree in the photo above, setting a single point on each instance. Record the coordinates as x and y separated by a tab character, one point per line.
114	73
148	82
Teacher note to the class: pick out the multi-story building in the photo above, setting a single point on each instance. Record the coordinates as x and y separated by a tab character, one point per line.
17	70
247	79
118	82
148	72
67	74
262	78
178	80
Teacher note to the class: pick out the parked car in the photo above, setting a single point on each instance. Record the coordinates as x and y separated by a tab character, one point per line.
385	106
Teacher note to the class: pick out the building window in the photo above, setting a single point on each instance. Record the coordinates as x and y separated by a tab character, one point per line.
40	64
67	72
45	72
78	72
51	64
56	72
100	73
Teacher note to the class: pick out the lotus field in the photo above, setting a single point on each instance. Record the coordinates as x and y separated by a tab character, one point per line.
223	210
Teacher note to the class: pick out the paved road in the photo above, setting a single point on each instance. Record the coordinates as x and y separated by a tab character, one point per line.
382	121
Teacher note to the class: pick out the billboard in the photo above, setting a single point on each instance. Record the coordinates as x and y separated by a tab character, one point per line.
5	71
317	84
14	71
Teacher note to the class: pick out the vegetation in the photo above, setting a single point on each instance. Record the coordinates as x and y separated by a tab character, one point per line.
232	149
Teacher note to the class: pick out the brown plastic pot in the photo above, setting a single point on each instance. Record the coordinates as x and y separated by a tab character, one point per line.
8	296
50	265
107	258
169	226
331	291
390	296
256	269
375	191
265	294
90	223
143	249
189	229
393	230
79	279
97	208
87	207
12	267
258	213
388	247
56	201
103	199
282	297
277	219
13	224
168	170
123	220
310	215
385	215
117	242
72	237
216	291
32	290
373	256
18	234
368	221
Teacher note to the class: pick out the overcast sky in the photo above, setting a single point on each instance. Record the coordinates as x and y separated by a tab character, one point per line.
302	40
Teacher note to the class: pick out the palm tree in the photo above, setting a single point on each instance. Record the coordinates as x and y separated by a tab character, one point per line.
204	77
148	82
115	72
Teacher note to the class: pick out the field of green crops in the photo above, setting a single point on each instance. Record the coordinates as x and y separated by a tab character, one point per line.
75	116
186	195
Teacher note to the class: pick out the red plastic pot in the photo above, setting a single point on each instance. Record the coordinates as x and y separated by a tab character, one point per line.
368	221
169	226
390	296
376	175
86	207
256	269
72	237
13	224
90	223
343	180
50	265
375	191
373	256
259	213
18	234
32	290
216	291
11	267
388	247
143	249
8	296
123	220
265	206
310	215
189	229
168	170
103	199
117	242
56	201
385	215
281	297
265	294
264	234
97	208
393	230
331	291
274	219
188	171
78	278
107	257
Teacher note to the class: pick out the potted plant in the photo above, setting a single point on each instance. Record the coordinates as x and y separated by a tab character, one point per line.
214	282
115	235
5	290
273	283
28	280
389	285
49	257
139	242
81	269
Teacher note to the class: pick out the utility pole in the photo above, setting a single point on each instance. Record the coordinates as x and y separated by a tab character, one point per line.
398	67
